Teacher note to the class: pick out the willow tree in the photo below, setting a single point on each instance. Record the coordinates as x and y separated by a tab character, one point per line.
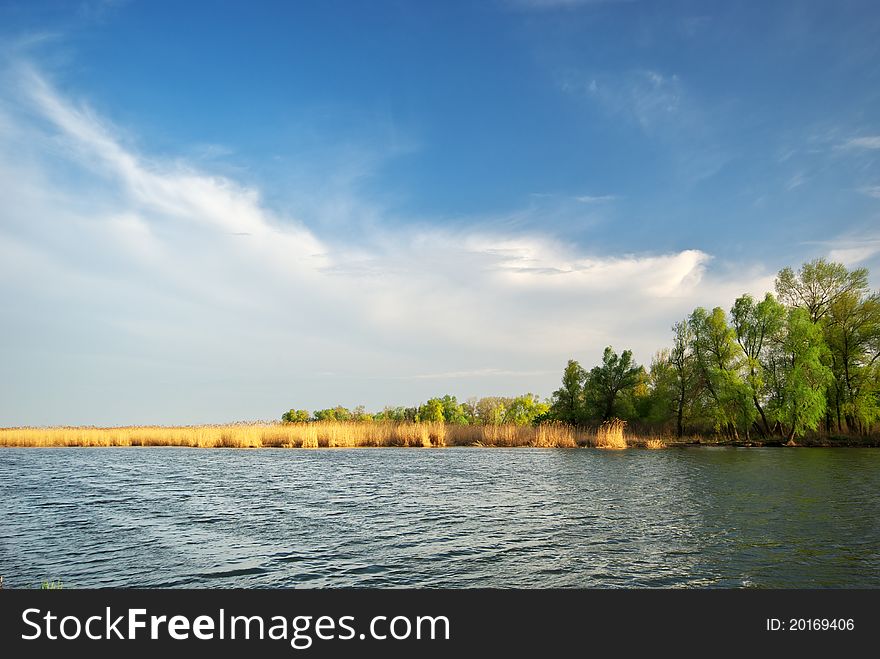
755	326
719	359
839	300
683	373
799	374
817	285
852	331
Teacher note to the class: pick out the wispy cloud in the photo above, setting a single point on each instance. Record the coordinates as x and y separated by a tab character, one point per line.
648	97
866	142
859	246
795	181
542	5
851	256
595	199
475	373
871	191
664	109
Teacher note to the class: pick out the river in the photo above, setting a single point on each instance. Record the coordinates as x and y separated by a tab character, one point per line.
440	518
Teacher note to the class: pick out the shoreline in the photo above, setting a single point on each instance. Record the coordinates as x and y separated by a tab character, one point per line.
631	445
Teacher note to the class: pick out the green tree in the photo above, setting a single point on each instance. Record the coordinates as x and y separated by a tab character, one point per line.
660	408
523	410
718	359
799	374
852	332
817	285
686	380
755	325
390	414
431	411
337	413
567	401
453	412
296	416
614	379
839	300
361	415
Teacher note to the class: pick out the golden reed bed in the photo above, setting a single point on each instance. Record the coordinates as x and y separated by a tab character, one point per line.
323	434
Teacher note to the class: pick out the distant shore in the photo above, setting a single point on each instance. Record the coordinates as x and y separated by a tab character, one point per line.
335	434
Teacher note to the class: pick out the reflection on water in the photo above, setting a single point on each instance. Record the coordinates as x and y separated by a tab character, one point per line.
167	517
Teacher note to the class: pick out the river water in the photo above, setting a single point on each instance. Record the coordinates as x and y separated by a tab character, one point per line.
447	518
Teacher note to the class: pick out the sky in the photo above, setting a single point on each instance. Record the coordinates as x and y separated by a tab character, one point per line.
218	211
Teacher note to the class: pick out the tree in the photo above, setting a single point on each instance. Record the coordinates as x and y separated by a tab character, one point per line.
390	414
675	390
490	410
686	382
718	359
840	301
523	410
452	411
296	416
852	332
567	401
361	415
755	326
337	413
659	407
616	377
432	411
818	284
799	374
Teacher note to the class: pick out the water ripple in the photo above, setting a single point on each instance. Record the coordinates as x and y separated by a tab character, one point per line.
442	518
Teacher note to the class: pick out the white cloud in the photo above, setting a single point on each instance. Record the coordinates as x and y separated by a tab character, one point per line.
871	191
138	289
595	199
851	256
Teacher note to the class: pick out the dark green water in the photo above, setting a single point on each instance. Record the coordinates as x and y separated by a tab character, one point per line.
440	518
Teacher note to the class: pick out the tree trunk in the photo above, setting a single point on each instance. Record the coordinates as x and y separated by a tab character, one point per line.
680	420
791	435
763	416
837	405
731	428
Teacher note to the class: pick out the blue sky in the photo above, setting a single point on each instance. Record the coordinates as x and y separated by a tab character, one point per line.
217	211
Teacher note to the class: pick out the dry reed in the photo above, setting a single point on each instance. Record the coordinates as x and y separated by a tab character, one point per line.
610	435
321	434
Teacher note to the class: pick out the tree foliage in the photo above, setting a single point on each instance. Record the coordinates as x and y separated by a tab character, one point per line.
568	400
610	386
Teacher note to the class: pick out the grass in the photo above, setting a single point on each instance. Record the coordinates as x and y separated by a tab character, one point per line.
51	585
322	434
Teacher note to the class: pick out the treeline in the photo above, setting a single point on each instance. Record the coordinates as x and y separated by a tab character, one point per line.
806	358
491	410
801	360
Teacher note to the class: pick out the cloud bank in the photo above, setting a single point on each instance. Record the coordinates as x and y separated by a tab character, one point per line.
138	288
